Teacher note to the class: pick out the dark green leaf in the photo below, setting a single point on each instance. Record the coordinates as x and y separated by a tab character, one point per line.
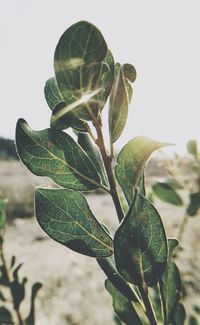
179	315
171	283
119	99
194	204
93	153
30	320
79	63
4	276
65	216
122	306
56	155
5	316
140	244
131	163
197	309
166	193
109	268
192	147
17	288
193	320
2	213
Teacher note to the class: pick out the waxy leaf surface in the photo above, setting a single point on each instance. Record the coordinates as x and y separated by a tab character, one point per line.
131	163
66	217
120	98
56	103
140	244
82	71
170	283
55	154
167	193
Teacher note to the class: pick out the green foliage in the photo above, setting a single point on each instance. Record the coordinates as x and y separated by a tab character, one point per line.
56	155
166	193
65	216
11	282
140	244
120	99
86	76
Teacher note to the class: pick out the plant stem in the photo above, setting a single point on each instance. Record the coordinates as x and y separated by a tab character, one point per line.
148	306
108	166
18	314
182	227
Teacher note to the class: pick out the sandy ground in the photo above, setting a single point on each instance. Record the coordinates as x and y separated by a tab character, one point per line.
73	285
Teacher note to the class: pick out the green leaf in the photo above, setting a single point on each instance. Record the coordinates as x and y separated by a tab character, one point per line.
65	216
93	153
17	288
30	320
2	213
52	94
120	97
140	244
131	163
179	315
80	65
193	320
109	268
122	306
171	283
55	154
166	193
194	204
56	103
5	316
192	147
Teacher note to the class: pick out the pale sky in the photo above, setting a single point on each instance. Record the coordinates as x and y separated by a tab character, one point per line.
160	38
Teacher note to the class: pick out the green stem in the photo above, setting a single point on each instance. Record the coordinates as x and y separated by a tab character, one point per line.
148	306
18	314
108	166
182	227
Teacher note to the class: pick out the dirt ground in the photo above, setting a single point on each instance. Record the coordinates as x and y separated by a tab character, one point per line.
73	285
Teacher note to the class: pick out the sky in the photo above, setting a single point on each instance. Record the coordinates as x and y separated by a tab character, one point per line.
160	38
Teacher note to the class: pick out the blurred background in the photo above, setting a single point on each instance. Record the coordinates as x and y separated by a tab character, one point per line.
161	39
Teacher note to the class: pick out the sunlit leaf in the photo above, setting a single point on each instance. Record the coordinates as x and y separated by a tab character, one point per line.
171	283
56	103
80	65
131	163
119	99
55	154
65	216
93	153
194	204
140	244
167	193
122	306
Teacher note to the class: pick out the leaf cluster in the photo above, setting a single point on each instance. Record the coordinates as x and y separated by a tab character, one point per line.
137	258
